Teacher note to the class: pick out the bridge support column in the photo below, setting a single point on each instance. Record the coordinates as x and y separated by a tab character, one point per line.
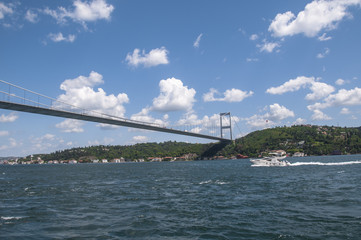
221	115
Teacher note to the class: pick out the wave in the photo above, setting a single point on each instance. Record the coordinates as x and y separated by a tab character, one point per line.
11	218
324	164
218	182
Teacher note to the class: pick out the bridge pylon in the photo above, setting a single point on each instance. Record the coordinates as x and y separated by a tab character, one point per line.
229	126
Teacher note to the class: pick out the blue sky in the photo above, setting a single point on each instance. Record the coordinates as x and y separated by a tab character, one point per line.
269	63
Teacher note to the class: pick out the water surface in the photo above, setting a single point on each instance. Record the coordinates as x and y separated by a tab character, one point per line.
315	198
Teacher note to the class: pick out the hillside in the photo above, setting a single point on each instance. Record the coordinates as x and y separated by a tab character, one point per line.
311	140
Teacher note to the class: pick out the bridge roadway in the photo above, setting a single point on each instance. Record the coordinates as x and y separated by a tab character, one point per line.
125	123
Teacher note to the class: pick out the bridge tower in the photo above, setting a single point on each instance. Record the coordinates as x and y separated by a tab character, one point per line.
222	115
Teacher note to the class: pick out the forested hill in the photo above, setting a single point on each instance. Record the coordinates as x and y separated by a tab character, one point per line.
312	140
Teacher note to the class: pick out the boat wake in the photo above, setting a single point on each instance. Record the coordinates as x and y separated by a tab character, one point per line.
324	164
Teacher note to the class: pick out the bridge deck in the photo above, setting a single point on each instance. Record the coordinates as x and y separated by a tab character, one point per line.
125	123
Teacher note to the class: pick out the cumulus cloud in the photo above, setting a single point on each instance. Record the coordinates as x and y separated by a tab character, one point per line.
268	46
319	15
299	121
58	37
31	16
324	37
342	98
174	96
8	118
140	139
253	37
340	82
292	85
319	116
105	126
155	57
230	95
275	113
207	124
71	126
83	11
319	89
5	10
144	116
197	41
80	93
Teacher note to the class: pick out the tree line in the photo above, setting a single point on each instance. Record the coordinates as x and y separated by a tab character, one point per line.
311	140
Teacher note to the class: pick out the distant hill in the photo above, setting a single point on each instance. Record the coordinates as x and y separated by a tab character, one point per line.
311	140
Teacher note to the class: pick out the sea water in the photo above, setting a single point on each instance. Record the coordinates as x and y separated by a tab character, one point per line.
314	198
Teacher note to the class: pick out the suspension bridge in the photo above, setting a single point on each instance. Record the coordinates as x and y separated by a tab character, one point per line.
16	98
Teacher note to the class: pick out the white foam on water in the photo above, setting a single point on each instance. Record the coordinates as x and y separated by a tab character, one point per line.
218	182
11	218
221	182
205	182
324	164
265	165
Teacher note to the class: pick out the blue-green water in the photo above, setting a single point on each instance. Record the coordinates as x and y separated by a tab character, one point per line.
183	200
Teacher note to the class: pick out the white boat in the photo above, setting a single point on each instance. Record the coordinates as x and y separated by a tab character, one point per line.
274	160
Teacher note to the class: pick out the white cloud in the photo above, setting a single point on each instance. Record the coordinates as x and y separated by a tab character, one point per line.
197	41
174	96
31	16
4	133
80	93
209	97
292	85
231	95
252	59
324	37
108	140
8	118
58	37
83	11
345	111
12	144
317	16
253	37
71	126
104	126
275	113
140	139
324	53
268	46
278	113
47	142
144	116
318	116
153	58
299	121
342	98
340	82
5	9
319	90
196	130
192	119
207	124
